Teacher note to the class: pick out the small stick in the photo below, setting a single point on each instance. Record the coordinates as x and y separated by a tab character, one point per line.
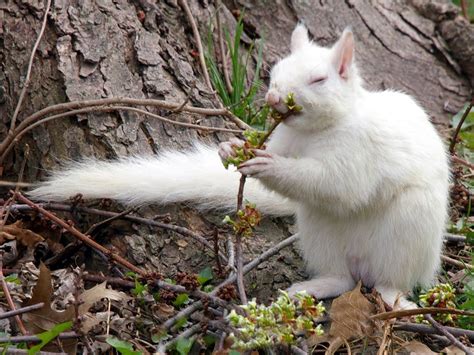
30	65
416	311
150	222
449	237
222	50
458	128
21	310
6	292
426	329
88	241
442	330
197	38
35	339
464	9
457	263
458	160
188	333
13	351
100	224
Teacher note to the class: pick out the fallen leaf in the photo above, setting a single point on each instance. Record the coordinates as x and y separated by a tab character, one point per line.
453	350
415	347
182	243
96	293
350	315
24	236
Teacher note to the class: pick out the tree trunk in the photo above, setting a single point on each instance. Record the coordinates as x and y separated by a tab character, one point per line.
136	48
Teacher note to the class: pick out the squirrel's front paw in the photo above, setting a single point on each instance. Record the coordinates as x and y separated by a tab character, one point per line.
226	149
260	166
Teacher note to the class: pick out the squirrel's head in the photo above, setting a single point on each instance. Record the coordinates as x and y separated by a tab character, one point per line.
324	81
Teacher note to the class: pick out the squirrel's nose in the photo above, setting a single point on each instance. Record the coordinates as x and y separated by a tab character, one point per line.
272	98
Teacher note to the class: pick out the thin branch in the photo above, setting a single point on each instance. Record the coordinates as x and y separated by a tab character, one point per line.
35	339
30	66
457	263
464	9
86	240
455	238
458	160
426	329
416	311
458	128
100	224
21	310
6	144
6	292
197	38
222	50
442	330
150	222
14	351
20	134
188	333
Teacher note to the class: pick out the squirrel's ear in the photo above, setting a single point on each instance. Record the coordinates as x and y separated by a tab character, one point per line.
299	37
343	53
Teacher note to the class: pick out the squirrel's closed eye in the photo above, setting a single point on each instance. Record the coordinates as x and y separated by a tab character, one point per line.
318	79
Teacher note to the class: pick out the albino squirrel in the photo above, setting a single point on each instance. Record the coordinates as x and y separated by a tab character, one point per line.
365	173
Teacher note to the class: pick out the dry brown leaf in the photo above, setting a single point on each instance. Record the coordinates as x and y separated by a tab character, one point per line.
415	347
453	350
96	293
45	318
24	236
350	315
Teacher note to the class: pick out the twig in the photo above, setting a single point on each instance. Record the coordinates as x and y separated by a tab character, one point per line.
449	237
441	329
458	128
197	38
125	108
35	339
231	253
6	144
186	335
11	200
222	50
100	224
185	312
458	160
426	329
464	9
457	263
6	292
88	241
238	242
416	311
30	65
177	229
14	351
15	184
21	310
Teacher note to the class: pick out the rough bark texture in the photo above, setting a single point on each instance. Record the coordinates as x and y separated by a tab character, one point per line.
136	48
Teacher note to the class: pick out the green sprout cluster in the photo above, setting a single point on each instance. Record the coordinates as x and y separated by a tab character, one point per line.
247	220
244	153
279	323
254	139
440	296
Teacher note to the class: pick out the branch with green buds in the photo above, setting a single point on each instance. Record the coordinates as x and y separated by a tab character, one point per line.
248	217
279	323
440	296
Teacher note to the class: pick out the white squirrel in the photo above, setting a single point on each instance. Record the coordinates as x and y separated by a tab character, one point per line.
366	174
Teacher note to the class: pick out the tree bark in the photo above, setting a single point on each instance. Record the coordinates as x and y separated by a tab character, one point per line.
145	49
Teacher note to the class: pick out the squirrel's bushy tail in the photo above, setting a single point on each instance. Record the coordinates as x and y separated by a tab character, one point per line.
196	175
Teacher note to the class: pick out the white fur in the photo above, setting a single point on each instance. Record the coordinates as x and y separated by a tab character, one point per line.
367	171
195	175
